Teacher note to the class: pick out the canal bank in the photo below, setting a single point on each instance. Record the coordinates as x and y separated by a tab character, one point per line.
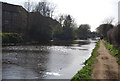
86	71
102	64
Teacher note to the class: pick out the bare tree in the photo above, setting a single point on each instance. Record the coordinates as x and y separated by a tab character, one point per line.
52	9
29	6
61	19
45	8
109	20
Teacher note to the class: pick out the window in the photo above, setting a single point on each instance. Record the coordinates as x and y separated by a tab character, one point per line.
6	22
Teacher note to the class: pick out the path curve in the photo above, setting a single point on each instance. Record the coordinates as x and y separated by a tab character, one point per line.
106	66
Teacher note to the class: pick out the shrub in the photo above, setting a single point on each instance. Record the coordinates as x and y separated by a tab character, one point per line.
8	38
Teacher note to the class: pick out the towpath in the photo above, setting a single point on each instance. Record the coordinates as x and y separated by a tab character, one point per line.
106	67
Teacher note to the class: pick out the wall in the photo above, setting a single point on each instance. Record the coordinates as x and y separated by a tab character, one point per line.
0	41
14	18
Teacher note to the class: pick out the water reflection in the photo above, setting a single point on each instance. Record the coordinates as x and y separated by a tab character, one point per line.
37	62
25	59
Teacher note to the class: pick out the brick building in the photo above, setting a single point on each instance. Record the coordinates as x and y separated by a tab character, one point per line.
14	18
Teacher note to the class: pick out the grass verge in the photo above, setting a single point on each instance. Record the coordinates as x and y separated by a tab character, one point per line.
86	71
8	38
113	51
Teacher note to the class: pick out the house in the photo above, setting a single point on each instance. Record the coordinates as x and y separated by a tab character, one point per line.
13	18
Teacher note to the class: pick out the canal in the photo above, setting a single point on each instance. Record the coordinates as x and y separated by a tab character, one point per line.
45	61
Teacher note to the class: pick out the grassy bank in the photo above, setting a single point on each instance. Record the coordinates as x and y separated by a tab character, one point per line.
86	71
113	51
8	38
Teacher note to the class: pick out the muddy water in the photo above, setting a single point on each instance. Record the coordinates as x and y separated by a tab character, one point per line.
45	61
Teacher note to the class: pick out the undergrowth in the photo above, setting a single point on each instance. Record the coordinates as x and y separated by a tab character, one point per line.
113	51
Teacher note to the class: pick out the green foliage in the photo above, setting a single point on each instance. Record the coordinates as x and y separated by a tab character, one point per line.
11	38
68	31
103	29
83	31
85	73
92	59
113	51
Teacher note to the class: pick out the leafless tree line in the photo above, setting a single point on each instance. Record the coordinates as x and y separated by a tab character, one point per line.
110	32
113	35
44	7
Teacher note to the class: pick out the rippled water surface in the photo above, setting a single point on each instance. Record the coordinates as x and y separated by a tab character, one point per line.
45	62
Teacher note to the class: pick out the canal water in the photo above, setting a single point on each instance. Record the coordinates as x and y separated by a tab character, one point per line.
45	61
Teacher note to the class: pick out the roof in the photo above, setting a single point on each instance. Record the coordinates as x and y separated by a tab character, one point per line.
11	7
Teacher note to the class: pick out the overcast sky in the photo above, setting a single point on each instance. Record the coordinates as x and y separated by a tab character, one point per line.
92	12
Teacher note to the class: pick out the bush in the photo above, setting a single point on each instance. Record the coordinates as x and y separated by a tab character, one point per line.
8	38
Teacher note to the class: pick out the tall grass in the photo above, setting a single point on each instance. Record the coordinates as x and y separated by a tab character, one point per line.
113	51
86	71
